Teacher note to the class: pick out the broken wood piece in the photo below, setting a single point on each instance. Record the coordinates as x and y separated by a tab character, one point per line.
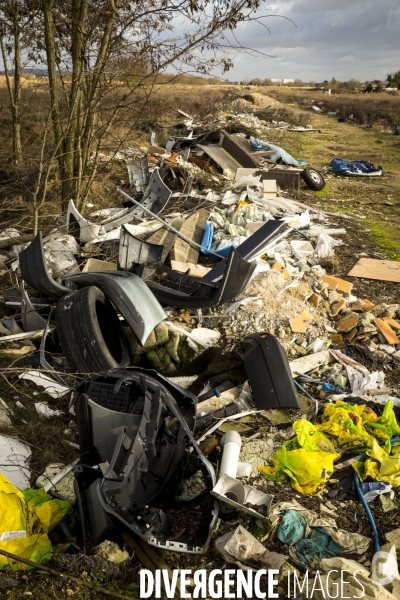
347	324
195	270
392	322
306	315
297	325
165	237
278	267
93	264
381	270
334	283
387	331
193	229
337	339
337	307
308	363
352	334
362	306
314	299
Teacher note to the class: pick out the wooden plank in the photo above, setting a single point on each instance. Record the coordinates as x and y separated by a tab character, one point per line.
195	270
387	331
165	237
381	270
219	156
237	151
192	228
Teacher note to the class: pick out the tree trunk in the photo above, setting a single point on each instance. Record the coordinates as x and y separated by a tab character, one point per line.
17	150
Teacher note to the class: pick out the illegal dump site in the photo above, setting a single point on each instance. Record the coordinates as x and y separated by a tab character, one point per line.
204	373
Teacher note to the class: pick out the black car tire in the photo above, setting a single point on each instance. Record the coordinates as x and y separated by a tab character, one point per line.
90	332
313	179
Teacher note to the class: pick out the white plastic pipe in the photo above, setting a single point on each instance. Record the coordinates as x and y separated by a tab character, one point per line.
231	443
243	470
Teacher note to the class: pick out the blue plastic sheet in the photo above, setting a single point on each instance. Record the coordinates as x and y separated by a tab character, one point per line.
207	241
356	167
280	153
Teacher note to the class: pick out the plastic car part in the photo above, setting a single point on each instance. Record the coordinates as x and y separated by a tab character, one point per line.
144	459
129	294
82	230
154	198
134	250
31	319
32	264
268	370
138	172
42	354
90	331
183	291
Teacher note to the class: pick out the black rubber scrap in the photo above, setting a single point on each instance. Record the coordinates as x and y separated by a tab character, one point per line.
90	331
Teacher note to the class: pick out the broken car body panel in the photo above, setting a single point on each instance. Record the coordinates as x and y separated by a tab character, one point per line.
32	264
134	300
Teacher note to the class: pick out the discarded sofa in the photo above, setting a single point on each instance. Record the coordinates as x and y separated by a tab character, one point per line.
135	430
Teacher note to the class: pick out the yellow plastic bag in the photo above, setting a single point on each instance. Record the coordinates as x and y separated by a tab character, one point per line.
307	460
354	427
379	465
25	519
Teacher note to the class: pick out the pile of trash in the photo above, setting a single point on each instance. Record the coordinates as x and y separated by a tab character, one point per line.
215	372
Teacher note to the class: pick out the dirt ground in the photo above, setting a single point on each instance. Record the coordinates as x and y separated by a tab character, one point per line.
369	211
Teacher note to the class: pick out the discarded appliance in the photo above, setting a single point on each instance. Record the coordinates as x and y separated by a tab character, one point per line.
137	427
268	370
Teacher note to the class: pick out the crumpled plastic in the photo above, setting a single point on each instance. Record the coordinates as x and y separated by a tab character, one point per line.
25	520
374	488
380	465
320	544
355	427
307	460
292	528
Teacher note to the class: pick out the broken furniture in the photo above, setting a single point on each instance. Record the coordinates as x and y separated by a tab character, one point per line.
136	426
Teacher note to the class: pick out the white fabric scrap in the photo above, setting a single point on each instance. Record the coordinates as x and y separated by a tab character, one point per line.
45	411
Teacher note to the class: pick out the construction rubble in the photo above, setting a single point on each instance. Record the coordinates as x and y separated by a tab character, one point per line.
222	394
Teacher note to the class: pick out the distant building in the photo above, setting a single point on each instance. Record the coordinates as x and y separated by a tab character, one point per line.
282	81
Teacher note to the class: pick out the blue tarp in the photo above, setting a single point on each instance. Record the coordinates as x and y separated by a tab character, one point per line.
280	153
356	167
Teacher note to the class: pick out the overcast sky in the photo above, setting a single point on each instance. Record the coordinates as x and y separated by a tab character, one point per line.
329	38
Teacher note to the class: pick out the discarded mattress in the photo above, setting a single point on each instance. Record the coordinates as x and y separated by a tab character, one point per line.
361	167
137	427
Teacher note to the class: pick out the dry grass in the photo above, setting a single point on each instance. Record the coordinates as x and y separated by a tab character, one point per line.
373	110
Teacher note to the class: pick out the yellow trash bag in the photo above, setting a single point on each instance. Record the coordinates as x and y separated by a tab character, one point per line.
355	427
379	465
25	519
307	460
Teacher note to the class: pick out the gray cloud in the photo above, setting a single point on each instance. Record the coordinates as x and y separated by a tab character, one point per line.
329	38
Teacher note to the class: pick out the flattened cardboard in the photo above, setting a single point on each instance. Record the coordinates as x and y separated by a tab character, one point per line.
381	270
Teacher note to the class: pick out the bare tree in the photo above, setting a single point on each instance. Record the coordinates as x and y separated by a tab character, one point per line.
17	33
83	41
